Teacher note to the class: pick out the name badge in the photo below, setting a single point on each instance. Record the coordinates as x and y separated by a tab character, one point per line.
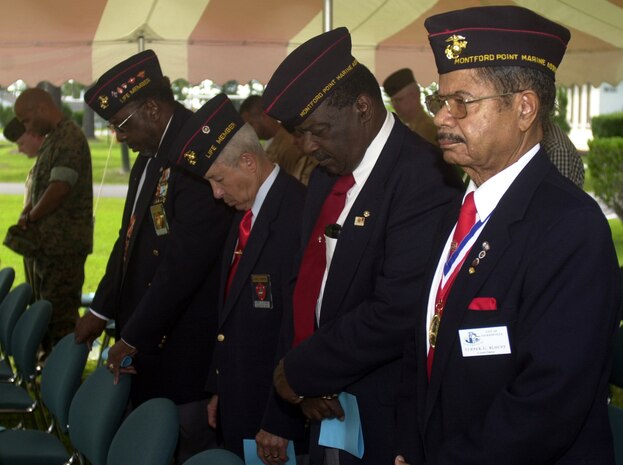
479	342
262	293
159	218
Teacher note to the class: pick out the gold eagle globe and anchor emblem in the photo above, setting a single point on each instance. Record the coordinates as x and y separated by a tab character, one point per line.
103	100
191	157
453	50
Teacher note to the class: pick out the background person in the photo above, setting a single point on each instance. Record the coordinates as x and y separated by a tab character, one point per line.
60	209
404	92
280	146
29	145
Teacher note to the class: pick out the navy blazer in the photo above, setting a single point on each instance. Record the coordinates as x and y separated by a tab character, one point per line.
249	319
373	286
163	298
553	272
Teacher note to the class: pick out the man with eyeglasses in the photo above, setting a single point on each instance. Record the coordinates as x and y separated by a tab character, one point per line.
161	280
358	283
509	362
59	210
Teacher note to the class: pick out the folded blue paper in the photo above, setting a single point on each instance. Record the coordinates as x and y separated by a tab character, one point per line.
250	453
346	434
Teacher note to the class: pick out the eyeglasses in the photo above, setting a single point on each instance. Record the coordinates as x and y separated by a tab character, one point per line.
456	105
119	127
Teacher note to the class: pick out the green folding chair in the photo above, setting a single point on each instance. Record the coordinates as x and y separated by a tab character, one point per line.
11	308
94	416
7	276
214	457
23	396
148	435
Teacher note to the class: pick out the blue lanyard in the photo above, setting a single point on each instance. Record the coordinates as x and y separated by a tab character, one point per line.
452	258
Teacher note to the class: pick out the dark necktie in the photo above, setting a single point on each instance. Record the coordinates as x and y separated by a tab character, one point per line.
314	261
244	231
467	219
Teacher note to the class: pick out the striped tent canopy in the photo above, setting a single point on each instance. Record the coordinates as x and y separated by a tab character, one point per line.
242	40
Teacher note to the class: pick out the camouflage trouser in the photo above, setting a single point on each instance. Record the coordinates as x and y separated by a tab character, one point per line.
59	279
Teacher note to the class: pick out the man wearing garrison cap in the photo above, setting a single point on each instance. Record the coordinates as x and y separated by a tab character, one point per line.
510	359
372	209
404	92
162	273
257	266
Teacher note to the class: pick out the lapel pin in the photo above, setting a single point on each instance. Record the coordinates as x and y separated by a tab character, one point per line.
481	255
361	220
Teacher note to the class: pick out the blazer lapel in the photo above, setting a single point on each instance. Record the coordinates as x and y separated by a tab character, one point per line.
497	233
259	235
359	226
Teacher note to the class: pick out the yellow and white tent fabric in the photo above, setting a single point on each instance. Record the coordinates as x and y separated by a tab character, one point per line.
246	39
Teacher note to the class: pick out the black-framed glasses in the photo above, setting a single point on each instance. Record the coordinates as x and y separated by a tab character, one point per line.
456	105
119	127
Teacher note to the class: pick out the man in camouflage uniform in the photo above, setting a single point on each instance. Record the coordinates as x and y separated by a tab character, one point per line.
60	208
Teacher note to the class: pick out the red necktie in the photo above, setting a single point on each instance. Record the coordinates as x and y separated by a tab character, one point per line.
314	261
467	219
244	231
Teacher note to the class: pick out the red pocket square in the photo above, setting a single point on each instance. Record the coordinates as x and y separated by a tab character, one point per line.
483	303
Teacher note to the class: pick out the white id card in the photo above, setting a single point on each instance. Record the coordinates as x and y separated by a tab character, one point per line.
478	342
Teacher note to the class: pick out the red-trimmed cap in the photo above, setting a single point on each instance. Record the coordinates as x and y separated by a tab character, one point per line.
123	83
206	134
496	36
307	75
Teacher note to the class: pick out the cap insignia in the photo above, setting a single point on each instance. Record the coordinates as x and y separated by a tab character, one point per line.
454	49
191	157
103	102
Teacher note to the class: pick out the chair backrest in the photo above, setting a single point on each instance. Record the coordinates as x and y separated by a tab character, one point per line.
7	276
96	412
61	376
11	308
214	457
615	415
27	336
148	435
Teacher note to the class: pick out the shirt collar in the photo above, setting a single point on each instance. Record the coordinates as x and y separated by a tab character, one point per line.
488	195
262	192
373	151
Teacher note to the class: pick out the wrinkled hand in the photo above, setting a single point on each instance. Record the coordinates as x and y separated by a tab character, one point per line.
283	387
116	355
319	408
400	460
271	449
212	411
88	328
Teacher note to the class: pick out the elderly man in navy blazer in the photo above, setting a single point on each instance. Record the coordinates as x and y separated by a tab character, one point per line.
509	363
257	265
372	212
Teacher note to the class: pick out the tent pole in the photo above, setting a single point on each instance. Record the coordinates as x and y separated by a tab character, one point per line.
141	43
327	16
